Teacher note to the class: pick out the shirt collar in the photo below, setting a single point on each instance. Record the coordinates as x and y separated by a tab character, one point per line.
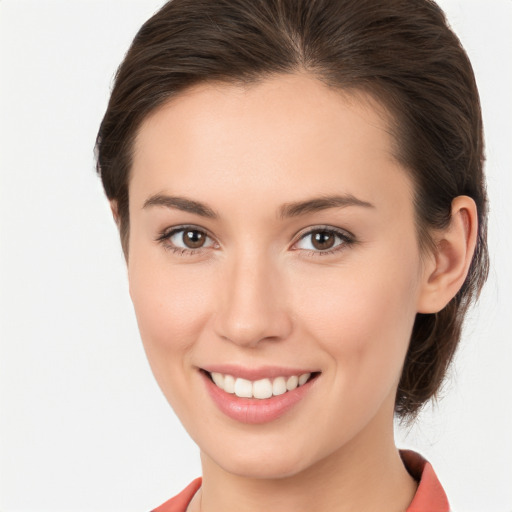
430	496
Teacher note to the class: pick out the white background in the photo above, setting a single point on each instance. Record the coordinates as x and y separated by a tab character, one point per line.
83	426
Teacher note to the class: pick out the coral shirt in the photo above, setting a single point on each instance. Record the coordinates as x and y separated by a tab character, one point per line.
429	497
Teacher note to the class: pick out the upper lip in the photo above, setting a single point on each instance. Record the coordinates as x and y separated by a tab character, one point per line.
255	373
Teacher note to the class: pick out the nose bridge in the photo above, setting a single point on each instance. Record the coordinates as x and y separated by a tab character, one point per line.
253	305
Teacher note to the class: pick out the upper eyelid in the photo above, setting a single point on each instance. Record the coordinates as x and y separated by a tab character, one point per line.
176	229
332	229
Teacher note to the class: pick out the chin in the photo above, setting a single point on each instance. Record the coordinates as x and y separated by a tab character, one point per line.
260	463
264	469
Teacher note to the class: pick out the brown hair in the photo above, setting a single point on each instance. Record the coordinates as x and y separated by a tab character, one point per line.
402	52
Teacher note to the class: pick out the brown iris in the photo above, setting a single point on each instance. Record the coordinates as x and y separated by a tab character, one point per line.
322	239
193	238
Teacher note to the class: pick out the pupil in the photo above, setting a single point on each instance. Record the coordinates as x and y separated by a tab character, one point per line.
323	240
193	239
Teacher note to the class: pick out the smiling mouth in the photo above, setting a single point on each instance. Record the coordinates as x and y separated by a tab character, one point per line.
259	389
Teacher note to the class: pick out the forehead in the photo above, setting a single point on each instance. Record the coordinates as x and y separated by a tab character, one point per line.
278	100
283	134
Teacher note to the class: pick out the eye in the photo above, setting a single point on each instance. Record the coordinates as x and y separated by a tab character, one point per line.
186	240
324	240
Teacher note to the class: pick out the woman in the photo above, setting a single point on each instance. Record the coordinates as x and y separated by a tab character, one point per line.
299	191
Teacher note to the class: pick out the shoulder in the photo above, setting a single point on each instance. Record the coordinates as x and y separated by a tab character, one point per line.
180	502
430	495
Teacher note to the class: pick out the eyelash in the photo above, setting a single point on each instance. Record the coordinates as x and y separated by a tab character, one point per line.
346	238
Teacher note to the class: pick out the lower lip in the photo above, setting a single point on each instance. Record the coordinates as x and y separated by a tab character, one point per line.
254	410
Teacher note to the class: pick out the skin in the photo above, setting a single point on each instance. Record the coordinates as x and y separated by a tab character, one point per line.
260	293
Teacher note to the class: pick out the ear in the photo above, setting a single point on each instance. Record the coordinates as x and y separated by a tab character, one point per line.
115	211
448	266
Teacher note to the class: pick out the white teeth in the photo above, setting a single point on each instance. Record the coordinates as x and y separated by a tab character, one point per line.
260	389
229	384
218	378
279	386
303	378
243	388
292	382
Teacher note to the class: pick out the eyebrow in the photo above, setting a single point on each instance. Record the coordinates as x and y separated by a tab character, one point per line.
181	203
321	203
287	210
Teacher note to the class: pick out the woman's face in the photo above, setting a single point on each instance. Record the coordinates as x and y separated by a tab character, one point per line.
272	236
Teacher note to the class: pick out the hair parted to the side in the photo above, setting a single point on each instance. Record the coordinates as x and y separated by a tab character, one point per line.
401	52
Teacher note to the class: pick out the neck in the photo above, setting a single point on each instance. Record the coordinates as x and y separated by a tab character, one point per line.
365	475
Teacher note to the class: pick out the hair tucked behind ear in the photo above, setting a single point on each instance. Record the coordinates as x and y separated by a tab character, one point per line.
400	51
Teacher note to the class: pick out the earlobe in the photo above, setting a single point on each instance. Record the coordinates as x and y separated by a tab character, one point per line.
115	211
454	251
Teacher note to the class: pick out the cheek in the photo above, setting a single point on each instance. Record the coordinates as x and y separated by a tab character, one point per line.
169	305
164	305
363	321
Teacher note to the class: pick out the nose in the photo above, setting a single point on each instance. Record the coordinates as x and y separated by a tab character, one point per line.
252	306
